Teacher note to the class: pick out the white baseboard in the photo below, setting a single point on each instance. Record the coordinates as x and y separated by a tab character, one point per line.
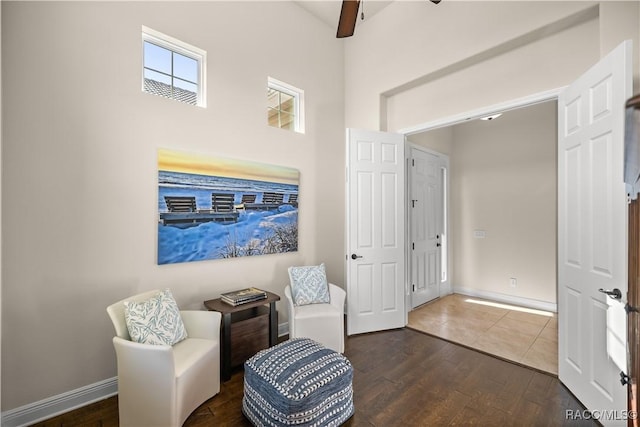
283	329
56	405
74	399
445	289
509	299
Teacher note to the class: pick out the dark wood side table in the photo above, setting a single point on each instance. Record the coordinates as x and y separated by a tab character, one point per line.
247	314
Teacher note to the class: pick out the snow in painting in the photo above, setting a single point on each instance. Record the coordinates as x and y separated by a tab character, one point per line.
215	208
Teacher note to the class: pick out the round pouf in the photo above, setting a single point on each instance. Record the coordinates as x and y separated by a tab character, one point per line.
298	382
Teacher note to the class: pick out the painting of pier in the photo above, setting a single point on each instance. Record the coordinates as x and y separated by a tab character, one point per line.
212	207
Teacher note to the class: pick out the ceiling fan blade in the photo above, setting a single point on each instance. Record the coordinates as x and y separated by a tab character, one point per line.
348	18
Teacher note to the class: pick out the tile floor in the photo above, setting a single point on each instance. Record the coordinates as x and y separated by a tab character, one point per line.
529	337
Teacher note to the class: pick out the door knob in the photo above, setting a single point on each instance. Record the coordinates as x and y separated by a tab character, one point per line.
354	256
615	293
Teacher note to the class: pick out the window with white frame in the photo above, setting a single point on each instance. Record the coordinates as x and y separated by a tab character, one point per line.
172	69
285	106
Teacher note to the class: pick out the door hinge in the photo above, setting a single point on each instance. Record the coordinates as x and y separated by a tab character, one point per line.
413	246
413	286
624	378
413	162
629	308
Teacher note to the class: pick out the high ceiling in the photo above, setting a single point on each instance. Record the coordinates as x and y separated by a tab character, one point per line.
328	11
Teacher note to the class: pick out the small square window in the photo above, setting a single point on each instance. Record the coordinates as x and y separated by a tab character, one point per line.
285	106
172	69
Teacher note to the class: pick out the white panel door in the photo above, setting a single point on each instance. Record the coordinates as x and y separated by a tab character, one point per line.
375	231
426	212
592	240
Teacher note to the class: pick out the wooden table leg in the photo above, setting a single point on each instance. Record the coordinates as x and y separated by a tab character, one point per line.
273	324
226	348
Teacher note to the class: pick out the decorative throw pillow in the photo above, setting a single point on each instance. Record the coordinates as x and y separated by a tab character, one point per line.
309	285
155	321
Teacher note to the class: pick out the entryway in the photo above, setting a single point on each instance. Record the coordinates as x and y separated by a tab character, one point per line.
518	334
583	343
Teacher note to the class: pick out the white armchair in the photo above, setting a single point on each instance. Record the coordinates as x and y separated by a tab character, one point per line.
160	385
323	323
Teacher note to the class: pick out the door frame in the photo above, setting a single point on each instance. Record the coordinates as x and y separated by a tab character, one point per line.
527	101
445	287
553	95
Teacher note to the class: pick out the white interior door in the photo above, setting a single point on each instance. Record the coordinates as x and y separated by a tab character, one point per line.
592	240
426	217
375	231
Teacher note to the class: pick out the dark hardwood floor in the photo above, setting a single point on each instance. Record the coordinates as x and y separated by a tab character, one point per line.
403	378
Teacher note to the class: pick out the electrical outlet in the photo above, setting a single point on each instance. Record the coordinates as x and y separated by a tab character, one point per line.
513	282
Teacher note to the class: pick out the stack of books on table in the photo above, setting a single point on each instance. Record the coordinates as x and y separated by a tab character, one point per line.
243	296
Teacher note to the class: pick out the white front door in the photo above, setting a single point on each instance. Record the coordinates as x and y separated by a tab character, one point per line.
375	231
592	238
426	210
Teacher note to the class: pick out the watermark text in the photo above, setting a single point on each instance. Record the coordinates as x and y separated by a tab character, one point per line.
600	415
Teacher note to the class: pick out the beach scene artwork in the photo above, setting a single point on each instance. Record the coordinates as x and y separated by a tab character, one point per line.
211	207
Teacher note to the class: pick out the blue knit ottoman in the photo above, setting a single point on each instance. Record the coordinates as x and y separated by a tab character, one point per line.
298	382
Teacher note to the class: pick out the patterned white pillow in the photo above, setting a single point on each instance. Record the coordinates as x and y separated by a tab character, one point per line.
309	285
155	321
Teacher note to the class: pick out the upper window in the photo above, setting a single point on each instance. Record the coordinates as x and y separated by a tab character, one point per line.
172	69
285	106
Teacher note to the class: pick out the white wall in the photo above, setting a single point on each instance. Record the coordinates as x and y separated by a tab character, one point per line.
79	142
503	182
511	75
620	20
79	163
439	140
430	61
416	62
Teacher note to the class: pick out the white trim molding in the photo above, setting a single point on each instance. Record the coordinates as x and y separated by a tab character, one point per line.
48	408
536	98
174	45
508	299
298	100
283	329
60	404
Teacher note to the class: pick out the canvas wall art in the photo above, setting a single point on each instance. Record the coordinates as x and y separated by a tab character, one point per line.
214	208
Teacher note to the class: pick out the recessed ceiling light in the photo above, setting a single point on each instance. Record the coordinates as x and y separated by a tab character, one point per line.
494	116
